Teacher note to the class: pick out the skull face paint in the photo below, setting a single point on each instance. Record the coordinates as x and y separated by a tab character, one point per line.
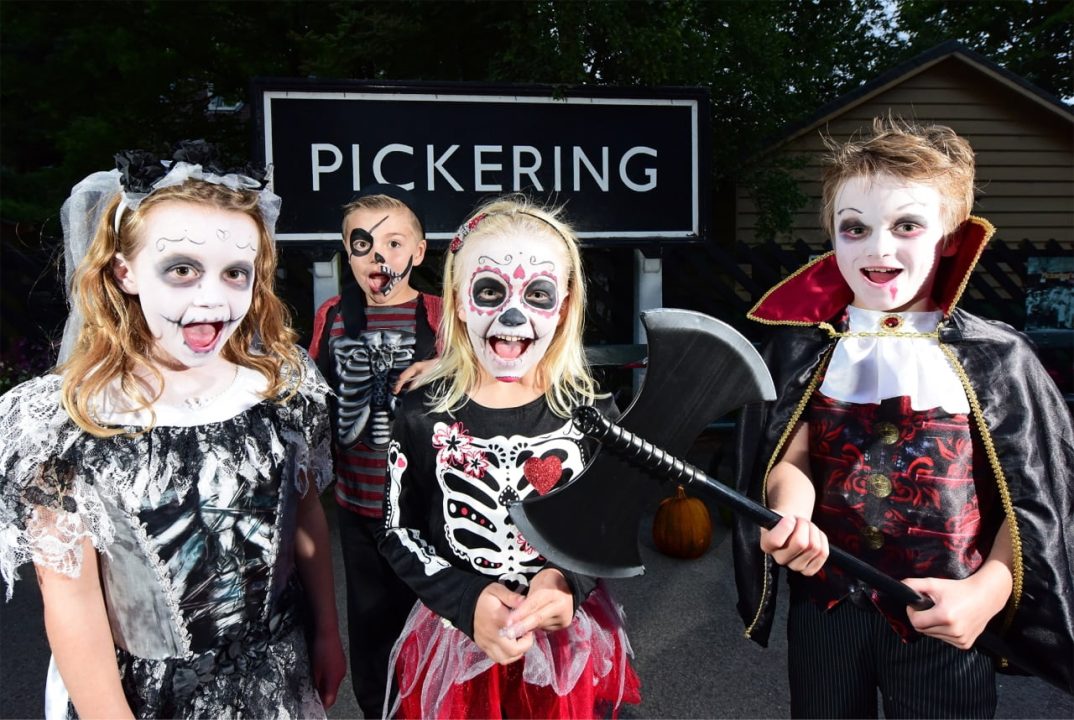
194	278
512	292
382	246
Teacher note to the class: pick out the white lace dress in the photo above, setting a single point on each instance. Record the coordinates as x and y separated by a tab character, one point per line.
194	525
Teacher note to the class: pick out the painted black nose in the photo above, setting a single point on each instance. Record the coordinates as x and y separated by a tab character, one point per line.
512	318
379	258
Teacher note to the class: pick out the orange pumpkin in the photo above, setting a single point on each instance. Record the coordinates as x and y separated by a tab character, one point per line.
682	527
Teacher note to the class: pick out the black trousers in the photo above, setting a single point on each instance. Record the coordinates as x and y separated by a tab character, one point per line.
839	659
378	603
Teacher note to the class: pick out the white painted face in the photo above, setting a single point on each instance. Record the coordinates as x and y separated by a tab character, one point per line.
194	278
888	241
512	290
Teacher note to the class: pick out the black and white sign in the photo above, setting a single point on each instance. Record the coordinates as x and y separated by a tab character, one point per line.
630	166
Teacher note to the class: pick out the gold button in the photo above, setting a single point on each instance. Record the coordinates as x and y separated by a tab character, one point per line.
874	539
879	485
887	432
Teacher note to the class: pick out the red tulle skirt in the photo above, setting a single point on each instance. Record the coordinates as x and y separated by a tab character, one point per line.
582	671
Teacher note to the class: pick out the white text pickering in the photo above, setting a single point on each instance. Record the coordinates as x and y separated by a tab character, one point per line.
490	168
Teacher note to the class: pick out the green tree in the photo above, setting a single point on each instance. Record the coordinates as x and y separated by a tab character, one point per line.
82	80
1031	38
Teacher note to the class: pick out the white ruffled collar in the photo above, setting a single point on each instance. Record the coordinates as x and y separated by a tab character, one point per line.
885	355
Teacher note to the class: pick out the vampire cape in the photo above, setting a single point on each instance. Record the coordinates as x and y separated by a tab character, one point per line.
1023	424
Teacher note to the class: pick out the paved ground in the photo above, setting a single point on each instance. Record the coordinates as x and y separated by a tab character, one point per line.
691	656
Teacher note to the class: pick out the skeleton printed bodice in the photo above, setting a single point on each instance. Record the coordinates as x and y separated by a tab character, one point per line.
451	482
367	367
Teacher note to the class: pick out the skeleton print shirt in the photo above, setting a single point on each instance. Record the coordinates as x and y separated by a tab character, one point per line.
451	479
362	362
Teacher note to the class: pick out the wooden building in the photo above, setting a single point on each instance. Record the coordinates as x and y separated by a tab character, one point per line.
1024	144
1023	139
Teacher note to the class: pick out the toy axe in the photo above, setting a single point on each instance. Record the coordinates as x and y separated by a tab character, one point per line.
699	369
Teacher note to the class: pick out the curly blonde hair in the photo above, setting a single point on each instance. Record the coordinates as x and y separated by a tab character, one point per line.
931	154
115	342
563	372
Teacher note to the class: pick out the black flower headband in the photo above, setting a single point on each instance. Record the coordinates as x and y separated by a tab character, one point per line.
141	172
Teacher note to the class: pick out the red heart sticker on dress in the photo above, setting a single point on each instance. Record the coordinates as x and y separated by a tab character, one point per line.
543	473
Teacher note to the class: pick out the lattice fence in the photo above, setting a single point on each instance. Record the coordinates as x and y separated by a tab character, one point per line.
726	282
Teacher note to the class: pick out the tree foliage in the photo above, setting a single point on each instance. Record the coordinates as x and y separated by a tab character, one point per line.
83	80
1031	38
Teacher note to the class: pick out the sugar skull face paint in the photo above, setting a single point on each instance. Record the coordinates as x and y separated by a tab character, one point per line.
888	241
513	290
382	246
194	278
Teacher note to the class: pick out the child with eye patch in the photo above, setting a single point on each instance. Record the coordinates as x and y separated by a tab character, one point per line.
164	480
927	441
499	631
369	342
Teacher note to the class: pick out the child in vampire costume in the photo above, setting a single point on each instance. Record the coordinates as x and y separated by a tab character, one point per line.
930	442
367	342
499	631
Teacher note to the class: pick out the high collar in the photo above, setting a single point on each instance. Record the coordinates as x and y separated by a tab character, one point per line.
817	292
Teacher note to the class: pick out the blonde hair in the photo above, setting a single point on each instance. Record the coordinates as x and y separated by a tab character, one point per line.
931	154
382	202
115	342
563	372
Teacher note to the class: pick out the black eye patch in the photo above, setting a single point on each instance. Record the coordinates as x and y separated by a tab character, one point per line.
361	241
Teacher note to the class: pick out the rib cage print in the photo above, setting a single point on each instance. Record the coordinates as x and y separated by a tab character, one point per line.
368	366
480	478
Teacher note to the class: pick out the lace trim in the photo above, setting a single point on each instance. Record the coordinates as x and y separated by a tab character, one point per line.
53	475
52	537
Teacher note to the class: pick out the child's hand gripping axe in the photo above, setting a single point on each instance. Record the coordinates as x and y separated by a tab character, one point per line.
699	369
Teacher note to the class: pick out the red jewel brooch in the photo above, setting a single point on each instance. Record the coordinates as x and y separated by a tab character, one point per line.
891	322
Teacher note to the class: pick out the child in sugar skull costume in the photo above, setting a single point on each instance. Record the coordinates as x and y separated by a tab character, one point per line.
499	631
927	441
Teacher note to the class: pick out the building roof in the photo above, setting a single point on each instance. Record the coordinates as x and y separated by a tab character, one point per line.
914	66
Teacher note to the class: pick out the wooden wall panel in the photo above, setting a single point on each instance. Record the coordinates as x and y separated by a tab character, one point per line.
1024	152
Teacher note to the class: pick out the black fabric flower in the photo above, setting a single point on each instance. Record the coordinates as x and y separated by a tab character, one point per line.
255	171
199	152
139	170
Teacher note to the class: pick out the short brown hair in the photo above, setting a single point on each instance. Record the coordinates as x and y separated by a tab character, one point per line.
932	154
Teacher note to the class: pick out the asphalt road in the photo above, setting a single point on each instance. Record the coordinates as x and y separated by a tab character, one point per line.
690	653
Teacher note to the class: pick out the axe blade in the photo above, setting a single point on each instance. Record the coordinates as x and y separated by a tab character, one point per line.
699	369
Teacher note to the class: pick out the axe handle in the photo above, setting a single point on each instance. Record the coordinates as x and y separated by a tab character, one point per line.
590	421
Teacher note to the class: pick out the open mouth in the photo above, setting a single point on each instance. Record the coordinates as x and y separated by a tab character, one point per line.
880	275
385	279
202	337
378	281
509	347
